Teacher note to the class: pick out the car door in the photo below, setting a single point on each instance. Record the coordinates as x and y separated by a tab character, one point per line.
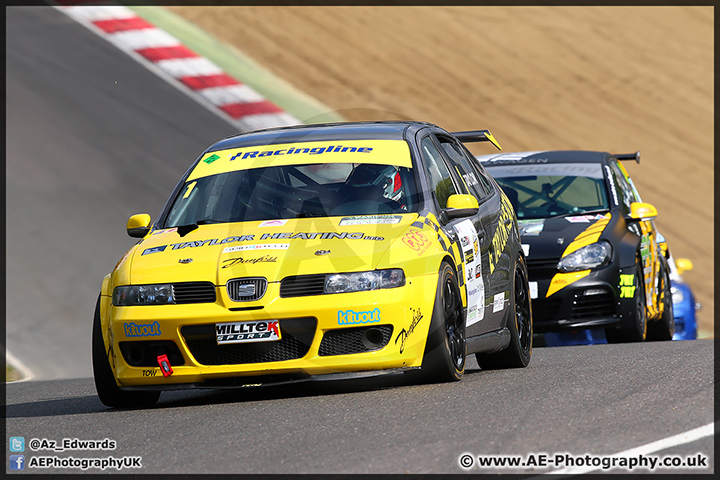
645	229
484	314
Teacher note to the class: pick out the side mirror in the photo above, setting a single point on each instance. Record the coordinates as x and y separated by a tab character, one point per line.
138	225
642	211
683	265
458	206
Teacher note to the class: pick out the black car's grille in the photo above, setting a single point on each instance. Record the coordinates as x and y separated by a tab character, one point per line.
343	341
302	285
144	353
541	268
194	292
246	289
296	337
546	310
593	306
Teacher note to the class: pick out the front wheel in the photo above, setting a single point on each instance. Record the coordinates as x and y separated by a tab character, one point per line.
444	358
638	331
664	328
519	351
108	391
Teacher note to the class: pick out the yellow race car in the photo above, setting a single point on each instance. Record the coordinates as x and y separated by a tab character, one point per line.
321	251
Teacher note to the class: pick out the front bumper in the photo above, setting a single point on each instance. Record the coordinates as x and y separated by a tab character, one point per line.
591	301
315	339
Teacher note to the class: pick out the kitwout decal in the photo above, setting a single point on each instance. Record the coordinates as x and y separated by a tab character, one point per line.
142	329
353	318
238	103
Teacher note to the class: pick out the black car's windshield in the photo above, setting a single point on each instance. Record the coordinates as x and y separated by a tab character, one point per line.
548	190
292	191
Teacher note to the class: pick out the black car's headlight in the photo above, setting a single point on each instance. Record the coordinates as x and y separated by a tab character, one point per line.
143	295
591	256
360	281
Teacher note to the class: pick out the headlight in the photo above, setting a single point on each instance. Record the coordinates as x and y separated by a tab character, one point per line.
360	281
592	256
143	295
677	295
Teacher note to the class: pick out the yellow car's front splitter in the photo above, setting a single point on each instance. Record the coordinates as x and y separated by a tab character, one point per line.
369	332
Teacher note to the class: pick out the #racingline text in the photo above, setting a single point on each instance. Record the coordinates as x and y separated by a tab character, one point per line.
566	460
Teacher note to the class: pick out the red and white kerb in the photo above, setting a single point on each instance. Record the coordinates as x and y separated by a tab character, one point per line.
237	102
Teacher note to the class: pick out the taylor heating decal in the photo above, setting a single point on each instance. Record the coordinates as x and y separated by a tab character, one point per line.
264	236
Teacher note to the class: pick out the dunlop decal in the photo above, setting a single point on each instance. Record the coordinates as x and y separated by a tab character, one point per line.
502	233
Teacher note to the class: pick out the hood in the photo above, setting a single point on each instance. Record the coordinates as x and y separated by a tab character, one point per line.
548	238
272	249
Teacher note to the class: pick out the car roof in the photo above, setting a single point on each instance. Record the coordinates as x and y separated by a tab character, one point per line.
381	130
548	156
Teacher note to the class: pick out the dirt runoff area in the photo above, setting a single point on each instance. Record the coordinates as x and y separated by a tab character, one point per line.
616	79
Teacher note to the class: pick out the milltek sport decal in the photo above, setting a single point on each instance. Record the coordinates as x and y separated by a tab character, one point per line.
381	152
244	332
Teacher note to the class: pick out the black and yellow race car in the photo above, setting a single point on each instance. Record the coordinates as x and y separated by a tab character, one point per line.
320	251
595	258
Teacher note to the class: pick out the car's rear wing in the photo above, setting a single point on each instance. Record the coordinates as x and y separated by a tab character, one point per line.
628	156
477	136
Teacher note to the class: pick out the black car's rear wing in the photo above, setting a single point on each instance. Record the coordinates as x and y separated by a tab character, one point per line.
477	136
628	156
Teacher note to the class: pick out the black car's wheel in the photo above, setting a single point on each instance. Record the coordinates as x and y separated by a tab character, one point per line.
108	391
638	331
444	358
519	352
663	328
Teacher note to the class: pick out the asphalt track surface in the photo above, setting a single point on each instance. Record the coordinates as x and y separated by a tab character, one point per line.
84	153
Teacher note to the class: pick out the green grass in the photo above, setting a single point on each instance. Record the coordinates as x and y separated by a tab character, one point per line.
11	375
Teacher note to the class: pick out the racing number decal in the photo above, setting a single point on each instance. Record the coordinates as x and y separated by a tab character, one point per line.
416	240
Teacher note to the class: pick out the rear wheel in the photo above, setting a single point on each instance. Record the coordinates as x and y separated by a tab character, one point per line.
108	391
519	352
664	328
638	331
444	358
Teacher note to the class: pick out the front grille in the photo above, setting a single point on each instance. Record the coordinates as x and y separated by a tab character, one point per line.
541	268
302	285
593	306
546	310
343	341
194	292
297	336
144	353
246	289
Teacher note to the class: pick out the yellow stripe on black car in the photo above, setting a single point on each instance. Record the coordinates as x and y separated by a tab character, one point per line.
585	238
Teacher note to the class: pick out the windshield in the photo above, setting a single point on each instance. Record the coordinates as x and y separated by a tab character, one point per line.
541	191
292	191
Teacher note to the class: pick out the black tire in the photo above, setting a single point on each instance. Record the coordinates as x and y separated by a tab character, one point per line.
663	329
107	389
444	357
638	331
518	353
